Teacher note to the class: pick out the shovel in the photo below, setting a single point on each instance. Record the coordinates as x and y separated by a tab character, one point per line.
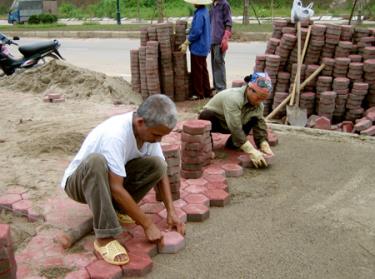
297	116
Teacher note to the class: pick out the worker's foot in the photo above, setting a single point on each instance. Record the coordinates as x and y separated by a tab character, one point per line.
124	218
111	251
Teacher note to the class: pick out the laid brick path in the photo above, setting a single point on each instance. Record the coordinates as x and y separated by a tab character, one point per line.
59	213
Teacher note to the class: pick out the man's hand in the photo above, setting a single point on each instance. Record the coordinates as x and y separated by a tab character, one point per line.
224	41
256	156
265	148
153	233
183	47
174	222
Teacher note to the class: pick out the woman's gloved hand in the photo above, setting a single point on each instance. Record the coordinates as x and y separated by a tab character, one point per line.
265	148
183	47
256	156
224	41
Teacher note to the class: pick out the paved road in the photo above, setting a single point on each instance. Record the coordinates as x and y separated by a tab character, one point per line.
111	56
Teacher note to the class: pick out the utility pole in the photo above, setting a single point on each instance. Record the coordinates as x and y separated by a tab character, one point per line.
118	16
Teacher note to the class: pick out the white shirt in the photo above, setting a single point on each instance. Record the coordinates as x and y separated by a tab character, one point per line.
115	140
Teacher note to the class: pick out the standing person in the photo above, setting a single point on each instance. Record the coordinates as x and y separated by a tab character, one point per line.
236	111
221	31
118	163
199	42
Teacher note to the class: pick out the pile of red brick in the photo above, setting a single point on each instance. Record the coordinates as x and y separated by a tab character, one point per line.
158	66
196	148
343	90
8	266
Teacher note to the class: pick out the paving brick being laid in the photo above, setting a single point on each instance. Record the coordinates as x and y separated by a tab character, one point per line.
59	216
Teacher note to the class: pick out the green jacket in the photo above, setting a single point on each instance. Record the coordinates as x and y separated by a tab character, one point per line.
234	109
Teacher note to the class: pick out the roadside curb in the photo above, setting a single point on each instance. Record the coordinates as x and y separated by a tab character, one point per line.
333	135
237	36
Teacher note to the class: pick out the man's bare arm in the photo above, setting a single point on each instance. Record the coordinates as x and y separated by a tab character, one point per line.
126	201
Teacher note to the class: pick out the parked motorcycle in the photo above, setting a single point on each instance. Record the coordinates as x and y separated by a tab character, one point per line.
32	54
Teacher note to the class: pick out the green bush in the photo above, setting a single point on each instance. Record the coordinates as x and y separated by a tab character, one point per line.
47	18
34	19
42	18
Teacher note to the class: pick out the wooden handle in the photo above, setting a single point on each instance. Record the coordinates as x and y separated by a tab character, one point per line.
299	62
285	101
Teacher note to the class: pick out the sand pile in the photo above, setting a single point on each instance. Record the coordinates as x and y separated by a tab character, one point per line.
73	82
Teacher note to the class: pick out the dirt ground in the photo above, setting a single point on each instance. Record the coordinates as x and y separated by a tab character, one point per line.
310	215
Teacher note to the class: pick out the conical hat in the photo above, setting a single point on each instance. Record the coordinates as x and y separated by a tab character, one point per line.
199	2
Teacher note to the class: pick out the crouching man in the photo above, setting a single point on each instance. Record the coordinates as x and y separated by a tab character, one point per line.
118	163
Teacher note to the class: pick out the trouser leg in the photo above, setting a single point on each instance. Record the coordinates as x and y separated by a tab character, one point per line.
216	126
199	76
142	174
246	128
218	68
89	184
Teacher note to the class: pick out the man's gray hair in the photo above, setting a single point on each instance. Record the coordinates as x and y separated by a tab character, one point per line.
158	109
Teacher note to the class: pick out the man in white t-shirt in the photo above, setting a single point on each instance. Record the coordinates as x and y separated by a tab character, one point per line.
118	163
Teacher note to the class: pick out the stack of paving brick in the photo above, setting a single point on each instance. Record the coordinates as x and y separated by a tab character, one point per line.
196	148
349	56
159	66
135	70
369	70
166	64
8	266
172	156
152	67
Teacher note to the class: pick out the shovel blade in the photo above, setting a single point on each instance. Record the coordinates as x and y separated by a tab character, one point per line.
296	116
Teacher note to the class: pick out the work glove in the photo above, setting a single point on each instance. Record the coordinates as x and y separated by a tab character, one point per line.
224	41
265	148
256	156
183	47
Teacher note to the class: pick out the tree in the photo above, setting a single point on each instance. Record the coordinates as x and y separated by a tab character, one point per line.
160	6
245	15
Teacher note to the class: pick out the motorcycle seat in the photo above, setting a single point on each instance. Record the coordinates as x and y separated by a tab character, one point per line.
28	50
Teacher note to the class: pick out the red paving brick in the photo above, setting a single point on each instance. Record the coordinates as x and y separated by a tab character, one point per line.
197	182
141	245
172	243
232	170
103	270
218	198
139	265
218	186
196	212
196	127
213	171
22	206
79	274
155	207
197	199
196	189
217	178
7	200
179	203
180	214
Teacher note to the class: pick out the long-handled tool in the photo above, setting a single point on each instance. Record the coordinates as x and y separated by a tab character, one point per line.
287	99
297	116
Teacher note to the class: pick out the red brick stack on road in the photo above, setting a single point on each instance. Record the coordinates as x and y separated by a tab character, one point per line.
348	53
172	156
161	68
135	70
196	147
